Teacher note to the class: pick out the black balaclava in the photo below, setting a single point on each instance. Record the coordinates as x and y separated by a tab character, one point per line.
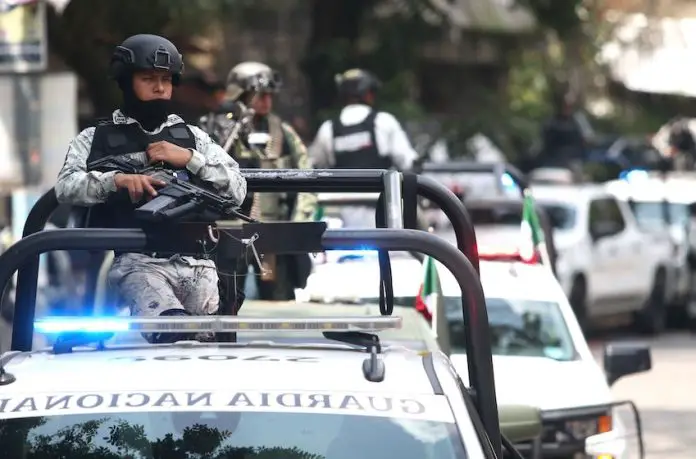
150	114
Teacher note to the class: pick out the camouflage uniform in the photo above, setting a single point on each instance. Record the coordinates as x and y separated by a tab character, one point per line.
148	285
284	151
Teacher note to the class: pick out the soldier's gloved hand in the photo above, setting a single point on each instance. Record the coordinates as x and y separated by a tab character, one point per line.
137	185
163	338
169	153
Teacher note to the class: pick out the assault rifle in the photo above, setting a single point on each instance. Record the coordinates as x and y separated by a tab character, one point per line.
241	128
177	199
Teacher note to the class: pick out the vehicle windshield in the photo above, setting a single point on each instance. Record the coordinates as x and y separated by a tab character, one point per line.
518	327
651	215
227	435
561	216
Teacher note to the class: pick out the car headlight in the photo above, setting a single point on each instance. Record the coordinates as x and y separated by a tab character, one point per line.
577	424
582	428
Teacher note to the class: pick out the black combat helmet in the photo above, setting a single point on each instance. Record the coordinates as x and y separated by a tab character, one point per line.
146	52
356	83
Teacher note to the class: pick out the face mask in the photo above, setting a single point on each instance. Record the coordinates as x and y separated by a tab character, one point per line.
150	114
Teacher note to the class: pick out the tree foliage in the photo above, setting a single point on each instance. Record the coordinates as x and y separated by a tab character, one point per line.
384	36
563	60
86	32
381	35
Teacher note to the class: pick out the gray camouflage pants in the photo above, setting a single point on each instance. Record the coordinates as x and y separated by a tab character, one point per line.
150	286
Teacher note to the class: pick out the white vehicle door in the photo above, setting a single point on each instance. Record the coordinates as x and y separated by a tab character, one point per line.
610	257
644	249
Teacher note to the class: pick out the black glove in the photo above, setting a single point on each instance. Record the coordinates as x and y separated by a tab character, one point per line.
166	338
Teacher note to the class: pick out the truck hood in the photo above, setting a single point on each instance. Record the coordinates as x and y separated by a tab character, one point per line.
545	383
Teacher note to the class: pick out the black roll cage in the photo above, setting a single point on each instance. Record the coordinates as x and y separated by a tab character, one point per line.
462	261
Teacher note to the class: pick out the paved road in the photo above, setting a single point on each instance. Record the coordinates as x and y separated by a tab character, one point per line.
666	396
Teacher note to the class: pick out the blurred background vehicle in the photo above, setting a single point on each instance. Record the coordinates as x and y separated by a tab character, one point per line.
607	266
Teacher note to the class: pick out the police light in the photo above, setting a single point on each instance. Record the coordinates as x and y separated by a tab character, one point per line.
634	175
173	324
507	181
342	256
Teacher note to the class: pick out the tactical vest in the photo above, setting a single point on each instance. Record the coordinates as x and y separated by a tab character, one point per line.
355	146
122	139
279	155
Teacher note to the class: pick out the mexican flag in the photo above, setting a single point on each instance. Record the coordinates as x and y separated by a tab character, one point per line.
426	302
319	213
532	233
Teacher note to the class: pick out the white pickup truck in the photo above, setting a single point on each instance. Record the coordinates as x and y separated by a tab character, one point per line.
611	270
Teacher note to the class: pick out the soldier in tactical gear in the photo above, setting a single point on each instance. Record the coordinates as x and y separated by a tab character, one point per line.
676	143
361	137
146	68
565	135
269	143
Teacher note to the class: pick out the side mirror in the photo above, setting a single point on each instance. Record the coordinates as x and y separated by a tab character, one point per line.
520	423
623	359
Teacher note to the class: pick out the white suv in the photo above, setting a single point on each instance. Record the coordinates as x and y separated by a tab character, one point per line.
607	266
662	206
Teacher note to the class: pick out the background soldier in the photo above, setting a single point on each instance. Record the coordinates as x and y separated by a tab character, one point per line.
275	145
676	143
361	137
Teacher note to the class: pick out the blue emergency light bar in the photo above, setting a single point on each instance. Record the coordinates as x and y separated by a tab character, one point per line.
634	175
196	324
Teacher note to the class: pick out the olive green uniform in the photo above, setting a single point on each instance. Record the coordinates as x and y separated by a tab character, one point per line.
281	274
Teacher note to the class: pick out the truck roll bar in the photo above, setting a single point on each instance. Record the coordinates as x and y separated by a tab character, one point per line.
321	180
480	361
284	180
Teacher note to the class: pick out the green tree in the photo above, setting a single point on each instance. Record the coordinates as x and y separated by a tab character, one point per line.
562	59
86	32
361	33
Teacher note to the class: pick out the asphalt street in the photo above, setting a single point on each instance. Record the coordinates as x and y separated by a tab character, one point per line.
666	395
